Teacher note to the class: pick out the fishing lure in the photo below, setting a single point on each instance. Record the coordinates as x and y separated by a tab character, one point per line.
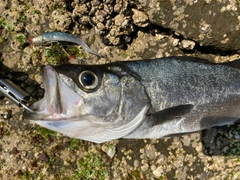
61	36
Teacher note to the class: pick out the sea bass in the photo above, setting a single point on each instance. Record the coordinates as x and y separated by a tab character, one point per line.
137	99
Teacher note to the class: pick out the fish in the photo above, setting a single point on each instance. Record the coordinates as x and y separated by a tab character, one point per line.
138	99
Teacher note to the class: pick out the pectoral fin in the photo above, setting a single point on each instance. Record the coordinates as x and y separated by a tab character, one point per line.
170	114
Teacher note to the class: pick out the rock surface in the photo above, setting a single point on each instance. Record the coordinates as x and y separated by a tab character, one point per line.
209	23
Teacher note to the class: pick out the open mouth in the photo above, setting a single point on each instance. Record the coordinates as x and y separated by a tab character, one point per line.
59	101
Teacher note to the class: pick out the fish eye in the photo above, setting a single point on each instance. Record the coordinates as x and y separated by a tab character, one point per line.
88	80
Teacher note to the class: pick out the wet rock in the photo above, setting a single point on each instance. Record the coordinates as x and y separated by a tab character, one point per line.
16	45
109	149
43	157
120	6
44	10
105	41
14	151
127	39
114	40
157	172
140	18
19	27
209	23
112	20
101	27
187	44
35	18
61	20
84	20
9	15
121	20
96	3
4	114
174	41
123	46
81	9
101	16
3	5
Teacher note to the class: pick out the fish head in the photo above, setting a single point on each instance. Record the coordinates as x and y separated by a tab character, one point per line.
97	103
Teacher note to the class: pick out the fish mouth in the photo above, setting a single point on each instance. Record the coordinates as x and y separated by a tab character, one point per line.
59	101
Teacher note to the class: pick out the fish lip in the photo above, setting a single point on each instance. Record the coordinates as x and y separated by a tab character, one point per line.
46	117
54	106
34	115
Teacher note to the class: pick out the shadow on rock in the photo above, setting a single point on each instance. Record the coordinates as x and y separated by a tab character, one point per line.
221	141
23	81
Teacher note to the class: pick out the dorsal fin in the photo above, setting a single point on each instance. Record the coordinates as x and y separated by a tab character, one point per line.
233	64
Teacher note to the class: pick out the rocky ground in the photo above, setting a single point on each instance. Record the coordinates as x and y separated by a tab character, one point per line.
118	30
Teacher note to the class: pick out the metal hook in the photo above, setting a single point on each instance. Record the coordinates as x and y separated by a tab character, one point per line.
14	93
